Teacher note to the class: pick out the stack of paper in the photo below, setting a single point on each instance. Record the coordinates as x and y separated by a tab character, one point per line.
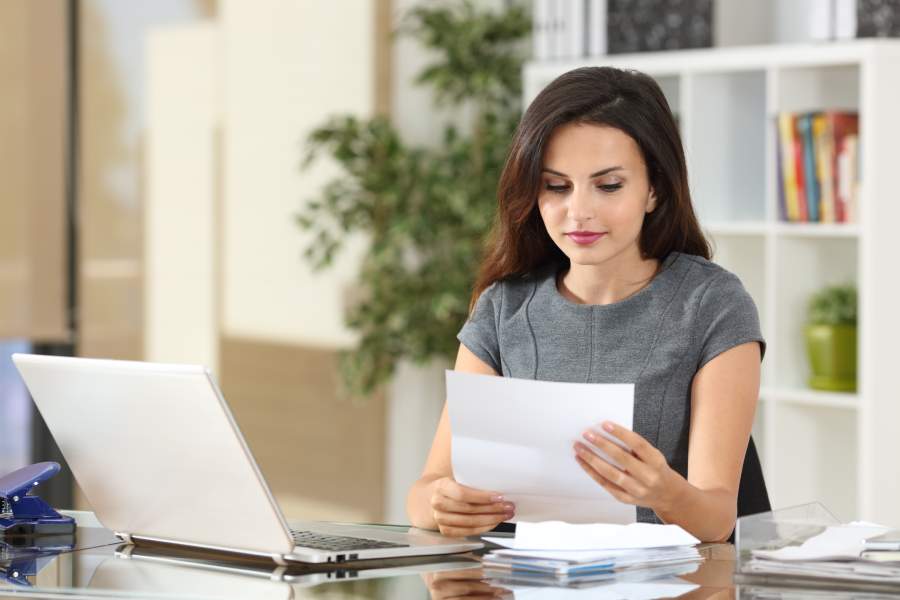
834	554
618	590
594	552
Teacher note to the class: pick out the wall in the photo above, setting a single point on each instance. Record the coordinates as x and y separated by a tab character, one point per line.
227	284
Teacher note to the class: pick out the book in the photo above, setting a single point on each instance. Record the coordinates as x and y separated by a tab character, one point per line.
780	182
786	168
555	29
596	18
824	141
845	129
848	172
541	23
810	180
799	171
576	28
818	169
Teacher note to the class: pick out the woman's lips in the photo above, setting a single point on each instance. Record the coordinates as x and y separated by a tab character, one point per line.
585	238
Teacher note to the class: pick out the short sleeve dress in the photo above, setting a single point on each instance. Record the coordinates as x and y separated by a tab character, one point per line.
689	313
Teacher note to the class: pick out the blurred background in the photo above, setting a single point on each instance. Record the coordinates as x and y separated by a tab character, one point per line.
235	183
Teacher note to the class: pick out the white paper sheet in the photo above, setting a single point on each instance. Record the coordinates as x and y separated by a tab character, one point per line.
516	436
594	538
840	542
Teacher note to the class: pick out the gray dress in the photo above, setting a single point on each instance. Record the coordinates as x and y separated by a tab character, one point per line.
689	313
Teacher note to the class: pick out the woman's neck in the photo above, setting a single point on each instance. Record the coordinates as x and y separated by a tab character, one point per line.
612	281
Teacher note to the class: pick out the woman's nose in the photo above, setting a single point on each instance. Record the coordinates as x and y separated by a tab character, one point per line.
580	204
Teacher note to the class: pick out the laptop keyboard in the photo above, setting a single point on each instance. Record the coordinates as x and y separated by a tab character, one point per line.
319	541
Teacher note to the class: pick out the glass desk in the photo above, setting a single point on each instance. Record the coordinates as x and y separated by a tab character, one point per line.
97	565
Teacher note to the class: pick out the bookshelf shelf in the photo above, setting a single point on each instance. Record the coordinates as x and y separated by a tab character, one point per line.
803	396
818	230
839	449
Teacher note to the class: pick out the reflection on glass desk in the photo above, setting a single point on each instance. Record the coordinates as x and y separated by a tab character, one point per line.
99	565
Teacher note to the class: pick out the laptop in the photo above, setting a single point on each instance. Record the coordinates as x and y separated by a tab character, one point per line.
161	460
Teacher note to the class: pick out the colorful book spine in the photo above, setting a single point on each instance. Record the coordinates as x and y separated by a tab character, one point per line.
818	166
823	139
799	169
845	128
780	183
787	169
809	168
847	169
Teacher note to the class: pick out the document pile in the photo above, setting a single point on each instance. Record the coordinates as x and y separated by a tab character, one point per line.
840	553
593	552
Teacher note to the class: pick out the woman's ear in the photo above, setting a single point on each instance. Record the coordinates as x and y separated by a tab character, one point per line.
651	201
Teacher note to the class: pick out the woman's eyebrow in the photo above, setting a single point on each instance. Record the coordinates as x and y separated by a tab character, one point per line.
591	176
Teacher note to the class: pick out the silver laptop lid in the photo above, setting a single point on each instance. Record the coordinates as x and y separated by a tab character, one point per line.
156	451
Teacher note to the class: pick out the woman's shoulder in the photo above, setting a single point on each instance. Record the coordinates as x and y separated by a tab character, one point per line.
514	291
709	291
704	275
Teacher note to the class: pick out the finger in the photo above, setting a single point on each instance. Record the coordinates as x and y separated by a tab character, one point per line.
635	441
476	573
621	458
451	531
610	473
462	520
617	492
457	491
446	504
461	587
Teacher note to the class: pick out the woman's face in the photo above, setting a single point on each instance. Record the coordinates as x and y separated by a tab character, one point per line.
594	193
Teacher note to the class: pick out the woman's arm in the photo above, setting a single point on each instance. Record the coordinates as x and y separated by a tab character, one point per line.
436	501
723	401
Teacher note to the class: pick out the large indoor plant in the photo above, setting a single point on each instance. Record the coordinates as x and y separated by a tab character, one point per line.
424	210
831	339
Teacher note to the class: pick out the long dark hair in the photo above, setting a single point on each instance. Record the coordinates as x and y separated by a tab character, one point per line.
627	100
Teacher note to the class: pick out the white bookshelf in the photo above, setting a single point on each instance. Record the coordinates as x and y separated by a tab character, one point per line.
840	449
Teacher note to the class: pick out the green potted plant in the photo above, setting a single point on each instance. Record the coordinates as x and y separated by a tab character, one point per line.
424	210
831	339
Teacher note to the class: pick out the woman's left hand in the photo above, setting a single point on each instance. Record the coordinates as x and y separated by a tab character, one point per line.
644	479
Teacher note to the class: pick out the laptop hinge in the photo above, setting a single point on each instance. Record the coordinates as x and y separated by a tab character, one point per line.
278	573
126	537
279	560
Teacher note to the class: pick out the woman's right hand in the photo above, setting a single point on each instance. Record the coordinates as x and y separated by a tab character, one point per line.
468	583
460	511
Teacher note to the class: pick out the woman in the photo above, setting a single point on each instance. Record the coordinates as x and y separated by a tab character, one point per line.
598	272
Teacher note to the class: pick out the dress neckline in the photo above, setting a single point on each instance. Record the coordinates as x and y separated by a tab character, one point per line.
664	272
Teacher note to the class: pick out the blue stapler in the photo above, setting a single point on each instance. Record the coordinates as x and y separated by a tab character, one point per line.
24	556
23	513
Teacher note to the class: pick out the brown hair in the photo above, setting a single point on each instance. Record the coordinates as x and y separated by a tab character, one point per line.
630	101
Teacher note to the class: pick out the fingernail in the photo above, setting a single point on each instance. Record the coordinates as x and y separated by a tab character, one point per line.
608	426
508	507
590	435
497	498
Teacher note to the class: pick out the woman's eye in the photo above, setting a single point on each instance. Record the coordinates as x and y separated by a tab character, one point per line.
561	189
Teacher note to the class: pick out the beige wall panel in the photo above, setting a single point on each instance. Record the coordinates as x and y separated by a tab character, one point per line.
289	65
32	170
322	456
110	229
180	214
107	307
